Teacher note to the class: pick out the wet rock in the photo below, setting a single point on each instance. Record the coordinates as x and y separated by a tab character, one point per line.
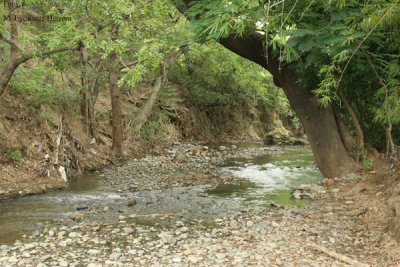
131	202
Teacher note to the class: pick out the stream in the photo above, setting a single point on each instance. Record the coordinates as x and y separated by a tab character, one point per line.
260	180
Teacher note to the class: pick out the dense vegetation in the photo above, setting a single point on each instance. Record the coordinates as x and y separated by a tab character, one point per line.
59	56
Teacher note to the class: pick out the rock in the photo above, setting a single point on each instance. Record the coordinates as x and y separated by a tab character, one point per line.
64	264
132	251
114	256
221	148
93	251
74	235
45	257
249	223
176	259
128	230
77	217
275	224
131	202
218	221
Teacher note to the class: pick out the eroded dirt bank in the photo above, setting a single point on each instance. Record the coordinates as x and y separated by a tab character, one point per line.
343	226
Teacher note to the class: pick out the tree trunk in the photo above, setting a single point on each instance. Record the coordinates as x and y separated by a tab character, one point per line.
356	123
144	113
115	98
84	105
348	140
12	64
319	123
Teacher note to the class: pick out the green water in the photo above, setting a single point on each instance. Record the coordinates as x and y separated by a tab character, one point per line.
269	178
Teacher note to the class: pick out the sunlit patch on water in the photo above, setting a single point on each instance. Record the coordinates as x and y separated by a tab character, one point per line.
269	177
86	197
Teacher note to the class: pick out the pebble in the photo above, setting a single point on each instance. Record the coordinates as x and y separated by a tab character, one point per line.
249	223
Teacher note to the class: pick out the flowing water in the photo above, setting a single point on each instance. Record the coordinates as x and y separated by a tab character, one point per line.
264	179
268	178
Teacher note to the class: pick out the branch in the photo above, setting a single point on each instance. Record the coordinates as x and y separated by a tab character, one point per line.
27	57
12	43
373	68
365	38
336	255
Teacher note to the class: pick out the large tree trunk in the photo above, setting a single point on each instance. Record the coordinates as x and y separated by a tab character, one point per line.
117	129
319	123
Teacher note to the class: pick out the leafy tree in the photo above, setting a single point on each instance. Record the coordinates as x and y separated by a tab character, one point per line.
313	49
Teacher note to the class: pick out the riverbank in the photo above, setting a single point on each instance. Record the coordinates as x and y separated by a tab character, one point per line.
346	221
290	236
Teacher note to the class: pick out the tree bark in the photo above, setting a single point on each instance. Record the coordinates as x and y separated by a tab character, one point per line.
347	139
144	113
356	123
14	49
117	136
84	92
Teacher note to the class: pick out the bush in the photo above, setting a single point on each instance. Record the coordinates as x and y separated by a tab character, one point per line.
15	155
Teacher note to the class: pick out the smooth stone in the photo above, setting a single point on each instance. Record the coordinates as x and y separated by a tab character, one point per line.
93	251
114	256
128	230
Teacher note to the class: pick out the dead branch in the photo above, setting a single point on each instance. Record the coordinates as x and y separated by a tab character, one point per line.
336	255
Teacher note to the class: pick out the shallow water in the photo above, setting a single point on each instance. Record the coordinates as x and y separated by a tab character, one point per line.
266	178
269	177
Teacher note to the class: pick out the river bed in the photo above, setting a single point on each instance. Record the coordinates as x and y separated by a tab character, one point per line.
234	179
